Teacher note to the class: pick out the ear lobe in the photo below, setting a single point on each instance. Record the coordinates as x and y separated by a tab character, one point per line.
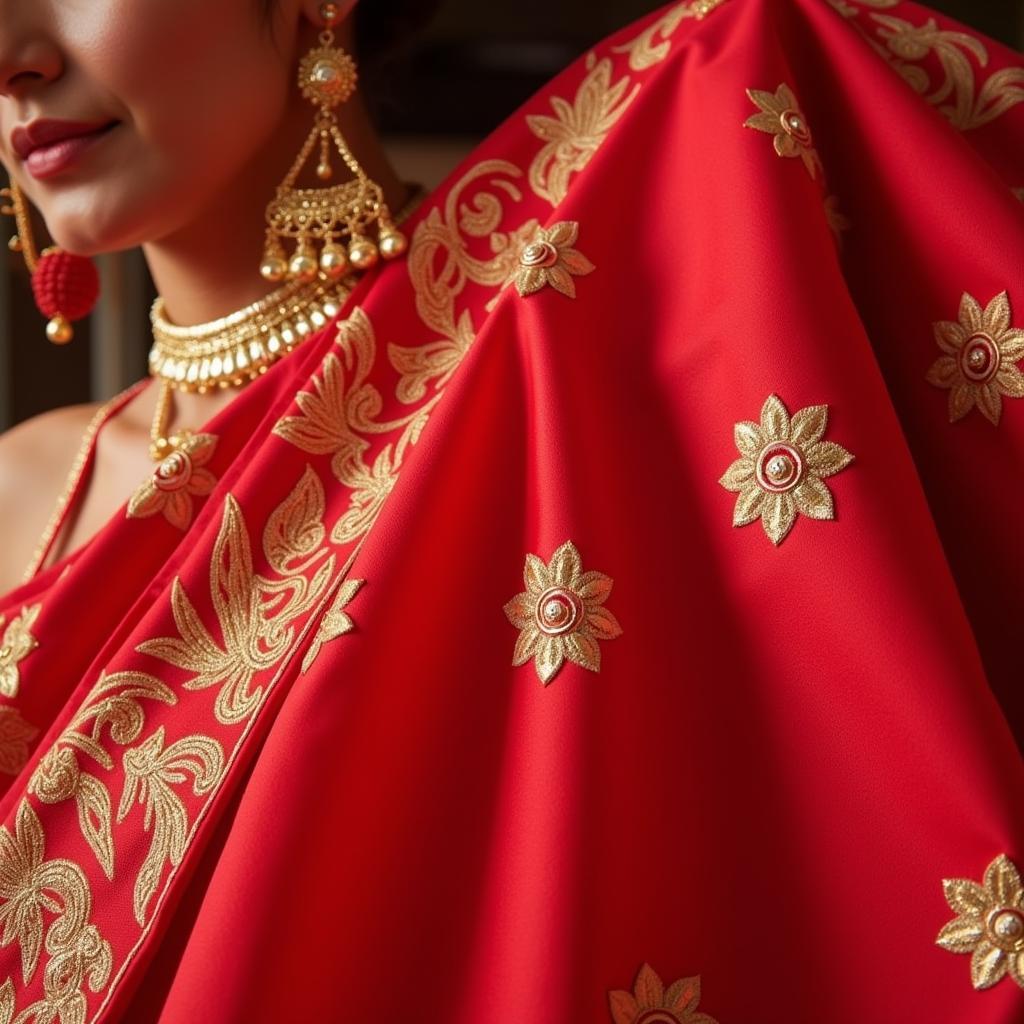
314	11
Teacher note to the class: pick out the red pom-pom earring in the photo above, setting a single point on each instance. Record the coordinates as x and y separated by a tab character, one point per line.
65	286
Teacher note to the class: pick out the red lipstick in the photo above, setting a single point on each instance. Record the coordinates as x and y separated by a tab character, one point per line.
47	147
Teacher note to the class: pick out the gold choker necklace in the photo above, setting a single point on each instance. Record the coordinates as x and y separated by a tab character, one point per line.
237	348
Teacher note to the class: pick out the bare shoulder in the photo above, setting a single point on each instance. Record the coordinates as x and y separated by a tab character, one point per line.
35	458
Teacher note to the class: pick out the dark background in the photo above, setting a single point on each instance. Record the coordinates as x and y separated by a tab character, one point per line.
476	63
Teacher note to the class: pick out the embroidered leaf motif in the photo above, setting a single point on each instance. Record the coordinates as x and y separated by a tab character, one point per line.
113	704
254	613
650	1001
17	643
335	622
151	771
956	96
577	130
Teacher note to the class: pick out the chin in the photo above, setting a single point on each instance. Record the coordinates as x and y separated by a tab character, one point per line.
93	228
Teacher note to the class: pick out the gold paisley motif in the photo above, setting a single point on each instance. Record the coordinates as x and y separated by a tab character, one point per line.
957	96
151	771
17	643
340	414
576	132
114	704
653	44
31	885
254	613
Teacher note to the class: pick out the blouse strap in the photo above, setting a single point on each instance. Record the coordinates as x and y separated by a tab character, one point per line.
76	475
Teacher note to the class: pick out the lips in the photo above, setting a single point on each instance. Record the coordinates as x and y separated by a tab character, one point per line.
48	146
43	133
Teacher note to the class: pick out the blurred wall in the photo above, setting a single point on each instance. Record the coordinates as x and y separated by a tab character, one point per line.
474	66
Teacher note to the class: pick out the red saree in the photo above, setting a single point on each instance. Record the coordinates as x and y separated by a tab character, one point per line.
366	733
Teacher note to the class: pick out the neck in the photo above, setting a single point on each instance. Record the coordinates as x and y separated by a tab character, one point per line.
210	267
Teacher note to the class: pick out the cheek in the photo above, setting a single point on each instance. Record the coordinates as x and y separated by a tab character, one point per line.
199	86
201	81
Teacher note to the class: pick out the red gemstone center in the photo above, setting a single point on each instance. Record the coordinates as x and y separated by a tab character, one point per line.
174	472
979	358
539	254
558	611
1006	928
794	124
779	467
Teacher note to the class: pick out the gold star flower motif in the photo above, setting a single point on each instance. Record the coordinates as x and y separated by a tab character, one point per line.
780	115
176	480
550	259
783	461
990	925
17	642
978	361
561	614
651	1002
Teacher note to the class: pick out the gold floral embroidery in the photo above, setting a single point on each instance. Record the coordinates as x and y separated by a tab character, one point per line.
337	412
335	622
577	130
651	1003
653	44
16	644
780	471
956	96
15	736
780	116
990	925
114	704
29	884
150	773
561	614
175	481
254	613
550	259
978	362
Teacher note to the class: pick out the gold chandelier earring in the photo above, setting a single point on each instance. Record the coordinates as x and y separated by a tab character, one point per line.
340	219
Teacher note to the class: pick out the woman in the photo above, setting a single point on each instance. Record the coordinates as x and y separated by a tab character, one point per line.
338	715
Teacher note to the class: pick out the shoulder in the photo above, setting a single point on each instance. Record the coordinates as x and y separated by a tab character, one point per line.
35	458
52	435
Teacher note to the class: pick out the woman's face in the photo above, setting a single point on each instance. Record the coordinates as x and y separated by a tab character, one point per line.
169	99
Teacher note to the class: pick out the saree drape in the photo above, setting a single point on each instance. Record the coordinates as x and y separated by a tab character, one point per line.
613	616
